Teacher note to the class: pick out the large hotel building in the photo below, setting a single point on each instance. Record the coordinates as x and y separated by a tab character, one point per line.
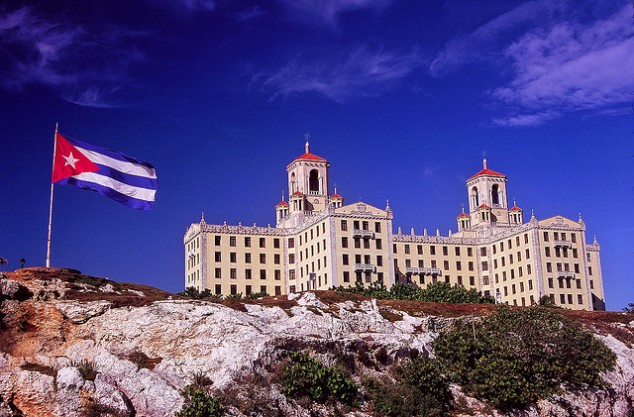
319	242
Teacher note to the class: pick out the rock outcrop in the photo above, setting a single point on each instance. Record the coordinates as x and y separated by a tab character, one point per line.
71	343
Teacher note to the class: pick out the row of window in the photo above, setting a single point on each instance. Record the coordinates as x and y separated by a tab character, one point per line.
562	267
358	242
233	257
248	289
514	288
248	273
566	298
564	282
193	245
314	232
233	240
432	250
362	276
520	273
562	236
511	258
365	259
561	252
192	261
360	225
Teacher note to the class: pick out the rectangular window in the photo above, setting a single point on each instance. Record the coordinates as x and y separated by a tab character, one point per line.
232	257
517	240
247	274
472	281
217	240
549	267
525	237
551	284
377	227
234	289
485	266
459	279
589	270
346	260
355	225
379	244
233	273
485	280
446	265
291	243
217	256
262	242
291	258
344	225
218	273
263	258
278	290
407	249
232	240
579	298
432	250
573	237
276	243
248	290
366	243
247	258
457	250
218	288
576	268
470	266
276	259
346	276
344	242
247	242
458	266
483	251
545	236
291	274
379	260
469	251
366	226
262	273
445	251
501	246
569	298
419	249
530	284
263	289
357	243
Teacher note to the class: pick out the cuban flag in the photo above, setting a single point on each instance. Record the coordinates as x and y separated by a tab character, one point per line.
125	179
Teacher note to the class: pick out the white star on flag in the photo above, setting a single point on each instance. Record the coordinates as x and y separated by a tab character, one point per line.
70	160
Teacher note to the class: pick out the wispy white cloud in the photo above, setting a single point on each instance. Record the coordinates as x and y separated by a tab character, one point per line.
43	51
485	42
250	13
572	67
327	11
556	63
362	73
527	119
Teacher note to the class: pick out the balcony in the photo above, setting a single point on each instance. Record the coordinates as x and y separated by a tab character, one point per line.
423	271
565	274
366	234
364	267
562	244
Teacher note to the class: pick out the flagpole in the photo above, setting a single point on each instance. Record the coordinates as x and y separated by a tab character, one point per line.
50	209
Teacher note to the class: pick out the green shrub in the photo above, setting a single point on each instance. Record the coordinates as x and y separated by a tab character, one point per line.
515	357
305	377
199	403
418	389
441	292
629	308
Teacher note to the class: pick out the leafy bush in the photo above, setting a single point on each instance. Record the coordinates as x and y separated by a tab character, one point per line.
199	403
256	295
514	357
629	308
441	292
194	293
419	389
305	377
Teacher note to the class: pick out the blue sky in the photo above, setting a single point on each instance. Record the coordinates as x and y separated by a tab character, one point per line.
402	97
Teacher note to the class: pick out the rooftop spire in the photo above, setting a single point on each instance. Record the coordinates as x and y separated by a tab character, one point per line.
307	146
484	163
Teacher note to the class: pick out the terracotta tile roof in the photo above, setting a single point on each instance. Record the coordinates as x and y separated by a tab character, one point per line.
487	171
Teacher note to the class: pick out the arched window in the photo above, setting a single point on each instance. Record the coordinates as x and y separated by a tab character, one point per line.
313	180
495	194
474	197
293	183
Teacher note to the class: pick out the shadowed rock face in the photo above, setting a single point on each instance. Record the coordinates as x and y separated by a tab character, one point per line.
69	342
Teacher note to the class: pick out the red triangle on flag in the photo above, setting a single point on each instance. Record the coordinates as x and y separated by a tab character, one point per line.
69	160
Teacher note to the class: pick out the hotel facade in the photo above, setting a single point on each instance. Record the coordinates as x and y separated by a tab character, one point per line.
319	242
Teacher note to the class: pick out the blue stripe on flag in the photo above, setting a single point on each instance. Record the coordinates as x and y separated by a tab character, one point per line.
109	192
134	180
108	152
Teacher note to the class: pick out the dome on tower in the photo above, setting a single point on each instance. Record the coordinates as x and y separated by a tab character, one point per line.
309	156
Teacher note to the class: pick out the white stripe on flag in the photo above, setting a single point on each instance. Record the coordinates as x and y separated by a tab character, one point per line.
125	189
125	167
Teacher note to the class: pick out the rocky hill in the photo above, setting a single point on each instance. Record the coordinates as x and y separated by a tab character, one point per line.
75	345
